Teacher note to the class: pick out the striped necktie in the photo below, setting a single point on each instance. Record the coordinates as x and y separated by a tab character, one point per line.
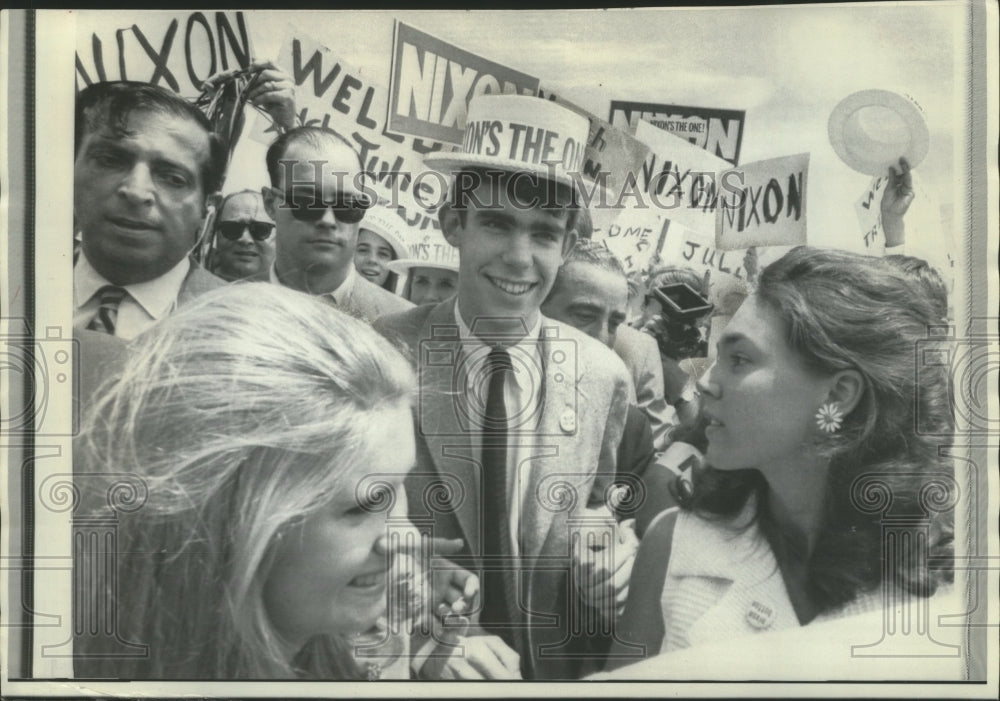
107	313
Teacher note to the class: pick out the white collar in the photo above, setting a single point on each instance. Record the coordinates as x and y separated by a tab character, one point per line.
157	296
527	373
468	338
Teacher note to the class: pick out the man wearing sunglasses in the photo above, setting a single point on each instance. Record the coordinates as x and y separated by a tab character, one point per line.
244	238
317	201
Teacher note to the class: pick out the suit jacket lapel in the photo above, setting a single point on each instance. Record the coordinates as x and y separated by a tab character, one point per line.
438	417
555	439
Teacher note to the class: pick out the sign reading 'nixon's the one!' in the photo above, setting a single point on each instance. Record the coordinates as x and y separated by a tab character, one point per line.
522	142
432	82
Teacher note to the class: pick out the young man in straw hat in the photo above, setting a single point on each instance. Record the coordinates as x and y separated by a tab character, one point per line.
519	417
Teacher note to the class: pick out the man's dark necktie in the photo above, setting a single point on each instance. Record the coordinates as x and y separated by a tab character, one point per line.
497	583
110	298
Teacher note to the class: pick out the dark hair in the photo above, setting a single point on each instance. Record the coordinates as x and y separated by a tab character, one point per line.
843	310
110	104
316	137
523	187
584	224
595	254
927	275
589	253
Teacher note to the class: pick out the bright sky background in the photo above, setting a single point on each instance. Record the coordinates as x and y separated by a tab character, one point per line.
786	66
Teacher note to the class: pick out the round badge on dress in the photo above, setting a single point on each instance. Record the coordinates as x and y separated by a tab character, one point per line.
567	422
760	616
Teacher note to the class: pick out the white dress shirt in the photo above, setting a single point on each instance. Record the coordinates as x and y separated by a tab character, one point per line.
144	305
522	399
339	295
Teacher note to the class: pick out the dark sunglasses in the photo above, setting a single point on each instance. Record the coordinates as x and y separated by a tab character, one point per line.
309	206
233	230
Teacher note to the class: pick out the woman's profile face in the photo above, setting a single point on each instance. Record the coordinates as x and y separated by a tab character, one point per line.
327	577
758	396
372	257
432	285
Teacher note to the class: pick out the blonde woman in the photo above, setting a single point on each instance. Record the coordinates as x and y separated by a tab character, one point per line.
257	422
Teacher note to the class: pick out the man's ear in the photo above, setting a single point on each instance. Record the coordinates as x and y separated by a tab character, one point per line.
270	202
451	225
569	241
846	390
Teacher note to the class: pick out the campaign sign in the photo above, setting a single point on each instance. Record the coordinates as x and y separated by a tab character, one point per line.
333	95
432	81
633	235
610	156
679	179
727	273
177	50
763	204
869	210
718	131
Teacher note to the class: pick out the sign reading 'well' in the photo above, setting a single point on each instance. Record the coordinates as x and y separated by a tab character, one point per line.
432	82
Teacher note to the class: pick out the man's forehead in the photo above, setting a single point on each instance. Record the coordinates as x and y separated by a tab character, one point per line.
245	204
142	121
329	156
503	194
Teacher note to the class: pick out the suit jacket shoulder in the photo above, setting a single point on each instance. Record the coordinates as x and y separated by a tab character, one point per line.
638	350
198	282
642	358
405	329
369	301
596	359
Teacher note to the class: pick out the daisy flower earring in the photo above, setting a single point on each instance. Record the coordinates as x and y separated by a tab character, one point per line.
829	417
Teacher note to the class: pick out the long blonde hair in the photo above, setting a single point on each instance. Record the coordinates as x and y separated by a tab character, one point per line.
241	413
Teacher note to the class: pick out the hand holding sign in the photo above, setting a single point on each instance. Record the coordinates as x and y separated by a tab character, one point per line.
896	200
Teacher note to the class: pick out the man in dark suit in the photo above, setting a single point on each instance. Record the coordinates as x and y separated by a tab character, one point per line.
317	211
591	293
145	161
519	417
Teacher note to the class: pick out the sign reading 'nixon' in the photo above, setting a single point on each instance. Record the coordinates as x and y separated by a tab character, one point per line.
432	82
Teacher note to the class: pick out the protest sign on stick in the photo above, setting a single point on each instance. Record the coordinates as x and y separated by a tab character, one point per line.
679	179
432	81
718	131
176	50
868	208
763	204
632	236
333	95
611	154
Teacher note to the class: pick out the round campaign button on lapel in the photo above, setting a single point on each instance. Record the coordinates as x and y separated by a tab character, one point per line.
567	422
760	615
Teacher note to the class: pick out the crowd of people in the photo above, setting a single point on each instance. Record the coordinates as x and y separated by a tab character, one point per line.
528	465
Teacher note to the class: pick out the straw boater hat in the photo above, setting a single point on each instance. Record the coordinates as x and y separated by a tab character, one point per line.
386	223
436	254
519	133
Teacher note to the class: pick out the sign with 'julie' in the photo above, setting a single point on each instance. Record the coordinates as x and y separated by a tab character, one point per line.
432	82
